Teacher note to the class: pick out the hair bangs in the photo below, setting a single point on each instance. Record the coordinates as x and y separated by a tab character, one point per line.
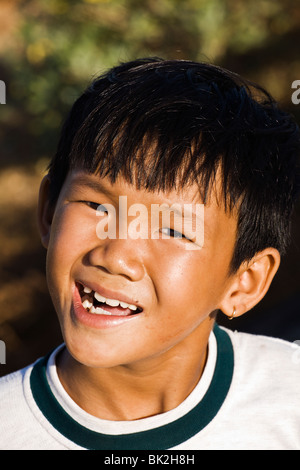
151	151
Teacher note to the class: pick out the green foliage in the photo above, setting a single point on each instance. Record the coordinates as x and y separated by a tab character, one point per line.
60	45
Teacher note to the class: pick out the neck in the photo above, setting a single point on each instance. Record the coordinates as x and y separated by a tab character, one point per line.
139	390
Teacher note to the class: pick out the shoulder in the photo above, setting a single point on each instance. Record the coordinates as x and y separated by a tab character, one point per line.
17	423
22	426
262	407
266	348
11	386
271	364
13	393
13	406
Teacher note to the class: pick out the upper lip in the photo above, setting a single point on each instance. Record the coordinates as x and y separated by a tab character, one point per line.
109	294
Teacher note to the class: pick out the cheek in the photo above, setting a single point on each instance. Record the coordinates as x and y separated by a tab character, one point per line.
71	233
191	283
69	240
181	281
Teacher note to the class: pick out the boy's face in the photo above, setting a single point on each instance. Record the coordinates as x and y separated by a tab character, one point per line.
174	283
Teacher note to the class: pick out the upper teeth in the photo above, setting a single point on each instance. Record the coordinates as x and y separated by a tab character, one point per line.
111	302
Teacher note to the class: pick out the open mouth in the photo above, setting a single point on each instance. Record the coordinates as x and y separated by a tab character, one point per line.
97	304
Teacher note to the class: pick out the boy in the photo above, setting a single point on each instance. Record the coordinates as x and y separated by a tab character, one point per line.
168	200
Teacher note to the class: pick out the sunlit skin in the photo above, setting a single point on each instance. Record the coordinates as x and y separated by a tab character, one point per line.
149	364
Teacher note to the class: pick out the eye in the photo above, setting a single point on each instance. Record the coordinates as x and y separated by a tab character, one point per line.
100	208
173	233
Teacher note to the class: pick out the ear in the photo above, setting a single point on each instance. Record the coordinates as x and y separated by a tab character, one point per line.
45	212
251	283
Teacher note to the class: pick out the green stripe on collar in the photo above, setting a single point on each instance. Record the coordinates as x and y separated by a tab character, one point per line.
160	438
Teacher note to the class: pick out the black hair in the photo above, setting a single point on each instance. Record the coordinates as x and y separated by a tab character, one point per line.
164	124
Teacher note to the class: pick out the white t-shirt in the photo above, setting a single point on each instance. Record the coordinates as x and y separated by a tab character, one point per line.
247	398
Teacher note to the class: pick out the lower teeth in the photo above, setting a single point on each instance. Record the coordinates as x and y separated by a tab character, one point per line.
99	311
88	305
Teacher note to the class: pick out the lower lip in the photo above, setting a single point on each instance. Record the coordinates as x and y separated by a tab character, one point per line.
93	320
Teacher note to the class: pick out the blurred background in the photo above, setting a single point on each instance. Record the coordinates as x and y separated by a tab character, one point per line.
49	51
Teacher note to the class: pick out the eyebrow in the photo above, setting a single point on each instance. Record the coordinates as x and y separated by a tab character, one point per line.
182	212
92	184
97	186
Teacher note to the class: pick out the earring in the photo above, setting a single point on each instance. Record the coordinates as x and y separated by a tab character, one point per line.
232	315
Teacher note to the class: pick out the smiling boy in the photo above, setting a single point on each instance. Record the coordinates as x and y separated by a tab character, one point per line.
143	364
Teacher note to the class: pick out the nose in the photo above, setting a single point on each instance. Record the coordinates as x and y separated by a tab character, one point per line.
119	257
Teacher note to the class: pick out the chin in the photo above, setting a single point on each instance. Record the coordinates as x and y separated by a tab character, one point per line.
94	352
